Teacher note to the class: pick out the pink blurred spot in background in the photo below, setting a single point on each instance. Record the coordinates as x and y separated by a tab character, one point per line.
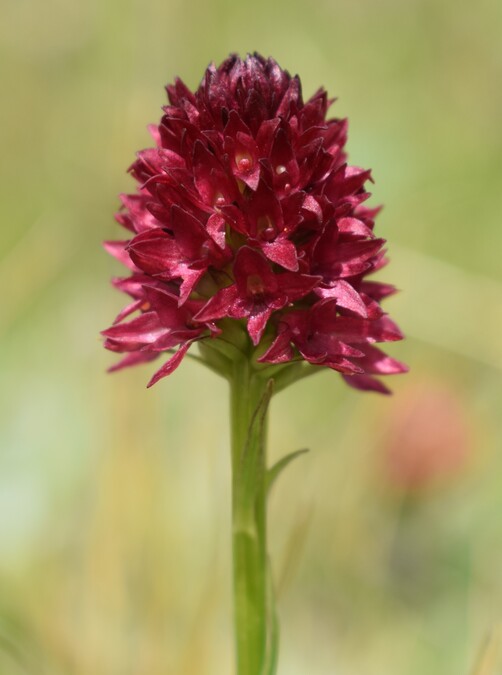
429	436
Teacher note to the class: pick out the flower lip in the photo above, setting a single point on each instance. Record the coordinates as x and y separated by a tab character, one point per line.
247	209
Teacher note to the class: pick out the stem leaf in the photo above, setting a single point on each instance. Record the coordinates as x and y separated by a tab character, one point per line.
279	466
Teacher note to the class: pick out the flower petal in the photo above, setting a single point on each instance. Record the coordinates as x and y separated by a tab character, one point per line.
250	265
366	383
119	251
346	296
280	350
135	334
257	322
219	305
171	365
283	252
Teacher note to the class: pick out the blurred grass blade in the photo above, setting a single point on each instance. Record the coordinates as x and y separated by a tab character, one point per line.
293	549
489	658
272	646
422	275
15	655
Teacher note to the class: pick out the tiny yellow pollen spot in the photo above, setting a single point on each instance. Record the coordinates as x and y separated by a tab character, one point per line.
280	169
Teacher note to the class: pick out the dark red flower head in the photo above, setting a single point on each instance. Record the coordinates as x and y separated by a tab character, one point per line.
247	210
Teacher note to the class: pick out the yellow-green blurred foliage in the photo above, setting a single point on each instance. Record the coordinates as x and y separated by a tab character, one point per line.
114	500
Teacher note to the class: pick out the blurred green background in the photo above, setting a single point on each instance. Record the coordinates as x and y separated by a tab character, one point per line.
114	500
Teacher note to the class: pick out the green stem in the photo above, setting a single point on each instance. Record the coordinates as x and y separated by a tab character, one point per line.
249	396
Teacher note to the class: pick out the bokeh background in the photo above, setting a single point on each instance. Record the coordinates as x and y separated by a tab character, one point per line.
114	500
